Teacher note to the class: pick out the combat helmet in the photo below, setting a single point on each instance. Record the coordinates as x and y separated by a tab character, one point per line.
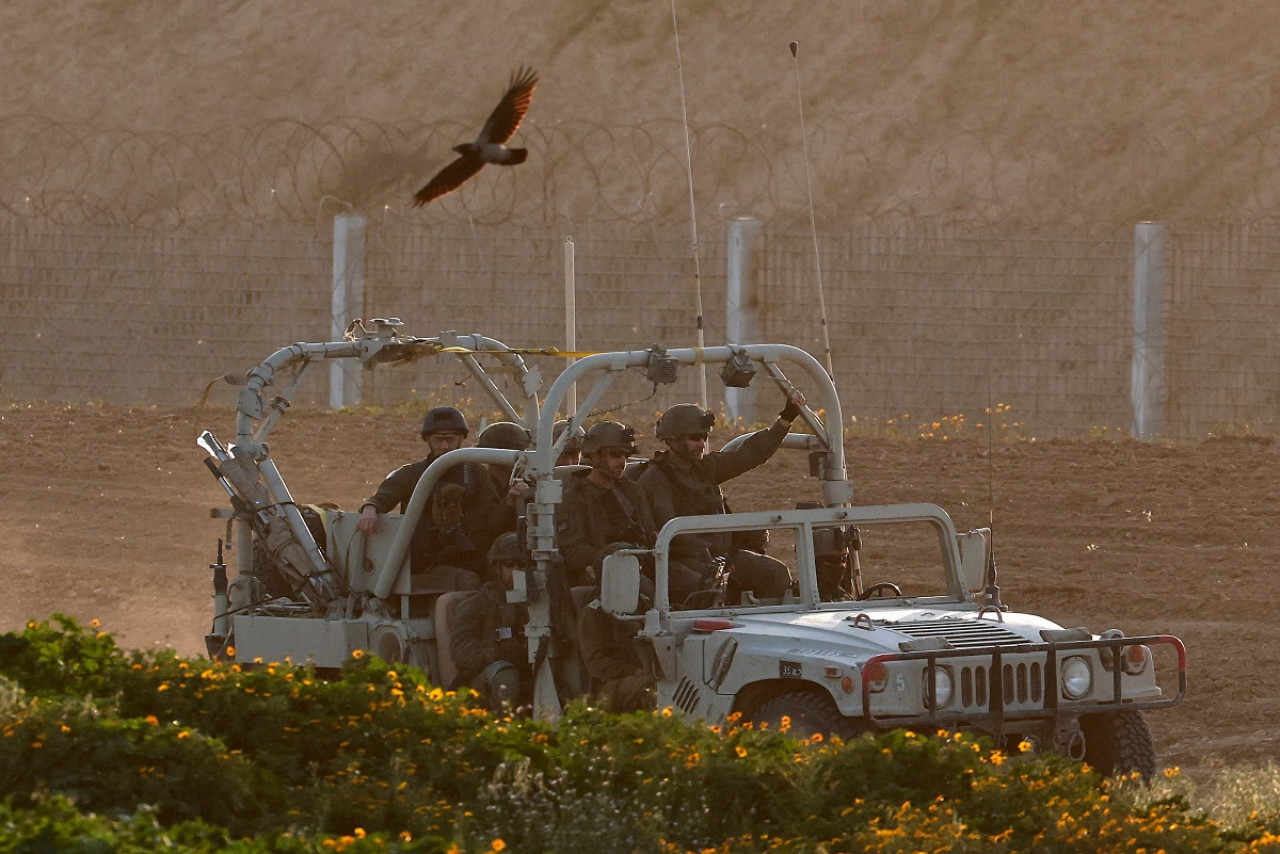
505	549
444	418
609	434
685	419
574	442
504	434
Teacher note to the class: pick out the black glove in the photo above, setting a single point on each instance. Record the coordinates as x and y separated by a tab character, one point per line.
791	411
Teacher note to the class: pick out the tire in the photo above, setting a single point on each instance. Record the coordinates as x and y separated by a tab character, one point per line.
810	713
1119	743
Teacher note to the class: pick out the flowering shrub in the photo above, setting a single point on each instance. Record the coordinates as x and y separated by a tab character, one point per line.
128	749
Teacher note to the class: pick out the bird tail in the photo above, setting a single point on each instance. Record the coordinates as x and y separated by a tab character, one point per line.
515	155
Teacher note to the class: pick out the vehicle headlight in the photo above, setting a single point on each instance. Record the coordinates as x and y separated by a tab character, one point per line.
942	687
1077	677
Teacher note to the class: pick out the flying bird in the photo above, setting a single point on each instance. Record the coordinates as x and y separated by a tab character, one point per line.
490	145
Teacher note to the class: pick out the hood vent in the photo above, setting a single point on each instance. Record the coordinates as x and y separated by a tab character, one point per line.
961	634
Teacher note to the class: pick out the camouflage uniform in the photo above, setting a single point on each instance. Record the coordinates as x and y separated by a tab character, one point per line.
488	634
440	549
592	521
695	492
609	653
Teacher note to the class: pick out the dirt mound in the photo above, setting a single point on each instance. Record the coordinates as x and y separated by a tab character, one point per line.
1034	112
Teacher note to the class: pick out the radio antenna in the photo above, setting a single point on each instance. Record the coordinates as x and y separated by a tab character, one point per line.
813	221
693	209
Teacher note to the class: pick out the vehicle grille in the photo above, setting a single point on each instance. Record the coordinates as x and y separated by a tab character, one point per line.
1022	682
1022	685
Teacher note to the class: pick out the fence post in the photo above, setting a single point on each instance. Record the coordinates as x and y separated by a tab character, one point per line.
1147	391
741	302
348	299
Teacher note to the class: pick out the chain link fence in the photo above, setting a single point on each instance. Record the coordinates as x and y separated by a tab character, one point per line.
138	269
925	323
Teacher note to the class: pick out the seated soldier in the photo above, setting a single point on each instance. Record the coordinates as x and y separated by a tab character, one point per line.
831	553
602	510
488	643
439	551
609	653
494	500
685	479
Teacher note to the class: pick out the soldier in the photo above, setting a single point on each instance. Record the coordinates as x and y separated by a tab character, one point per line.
571	454
685	479
493	502
831	553
609	654
436	550
602	510
488	642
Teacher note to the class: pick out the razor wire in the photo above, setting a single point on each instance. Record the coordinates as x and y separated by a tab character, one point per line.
881	168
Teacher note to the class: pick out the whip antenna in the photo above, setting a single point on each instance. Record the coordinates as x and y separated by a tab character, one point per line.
693	208
813	222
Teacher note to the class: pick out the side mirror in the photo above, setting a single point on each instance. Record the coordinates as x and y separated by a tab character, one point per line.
973	558
620	584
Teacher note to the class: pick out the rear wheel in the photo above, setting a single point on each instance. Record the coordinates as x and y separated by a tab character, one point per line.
1119	743
807	713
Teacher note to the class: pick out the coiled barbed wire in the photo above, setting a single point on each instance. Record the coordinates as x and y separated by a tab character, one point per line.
878	168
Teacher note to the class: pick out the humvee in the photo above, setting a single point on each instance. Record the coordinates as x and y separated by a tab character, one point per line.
917	635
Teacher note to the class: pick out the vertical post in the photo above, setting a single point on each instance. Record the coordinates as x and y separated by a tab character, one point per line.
1147	391
741	301
348	298
570	319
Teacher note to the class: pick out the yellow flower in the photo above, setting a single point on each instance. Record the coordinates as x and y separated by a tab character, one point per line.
358	654
152	719
499	845
1024	746
740	750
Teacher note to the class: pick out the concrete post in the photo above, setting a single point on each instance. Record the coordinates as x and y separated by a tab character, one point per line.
347	303
741	304
1147	389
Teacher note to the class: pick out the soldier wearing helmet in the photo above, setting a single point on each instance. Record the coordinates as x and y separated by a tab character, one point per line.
496	498
684	480
831	553
602	510
488	643
436	550
571	453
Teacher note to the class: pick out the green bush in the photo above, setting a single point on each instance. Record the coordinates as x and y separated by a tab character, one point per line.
106	750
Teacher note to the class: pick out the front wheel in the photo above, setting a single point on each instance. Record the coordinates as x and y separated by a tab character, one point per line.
807	713
1119	743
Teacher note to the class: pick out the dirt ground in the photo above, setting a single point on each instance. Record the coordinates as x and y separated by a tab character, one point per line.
108	513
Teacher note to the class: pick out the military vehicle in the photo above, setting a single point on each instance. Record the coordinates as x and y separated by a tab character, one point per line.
913	633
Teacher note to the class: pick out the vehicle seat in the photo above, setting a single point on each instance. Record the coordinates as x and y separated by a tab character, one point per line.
445	614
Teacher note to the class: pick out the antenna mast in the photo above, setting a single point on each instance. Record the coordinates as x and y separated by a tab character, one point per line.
813	222
693	209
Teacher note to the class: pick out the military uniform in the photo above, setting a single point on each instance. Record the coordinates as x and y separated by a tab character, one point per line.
489	630
695	492
609	654
441	547
592	518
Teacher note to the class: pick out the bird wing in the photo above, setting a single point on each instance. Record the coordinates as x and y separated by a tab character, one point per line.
448	179
506	117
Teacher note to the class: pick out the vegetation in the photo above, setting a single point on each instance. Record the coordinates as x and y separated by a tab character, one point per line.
107	750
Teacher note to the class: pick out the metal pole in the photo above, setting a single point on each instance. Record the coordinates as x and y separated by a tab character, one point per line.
1147	391
741	301
347	302
570	318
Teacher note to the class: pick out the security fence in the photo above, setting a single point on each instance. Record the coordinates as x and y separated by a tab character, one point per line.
926	323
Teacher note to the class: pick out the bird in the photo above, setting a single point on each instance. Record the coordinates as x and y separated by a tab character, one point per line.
490	145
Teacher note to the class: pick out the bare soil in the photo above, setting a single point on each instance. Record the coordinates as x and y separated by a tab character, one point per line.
108	513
